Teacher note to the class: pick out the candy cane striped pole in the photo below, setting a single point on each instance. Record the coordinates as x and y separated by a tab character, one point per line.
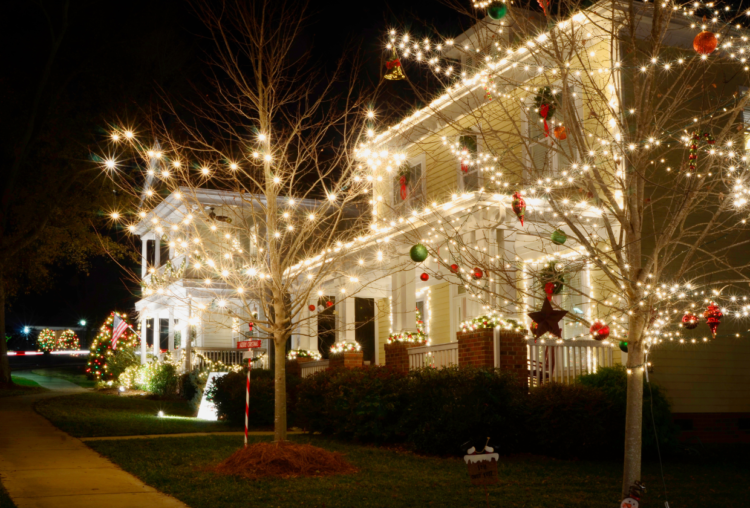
247	395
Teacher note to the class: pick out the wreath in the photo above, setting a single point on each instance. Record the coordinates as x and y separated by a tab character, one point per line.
546	104
553	273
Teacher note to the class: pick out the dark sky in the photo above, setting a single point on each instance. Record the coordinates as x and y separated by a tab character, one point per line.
118	53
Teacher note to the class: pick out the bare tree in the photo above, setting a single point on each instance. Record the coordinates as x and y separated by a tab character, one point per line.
607	131
283	226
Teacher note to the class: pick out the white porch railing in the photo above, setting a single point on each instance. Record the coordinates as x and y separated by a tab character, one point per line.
310	368
225	355
439	355
562	363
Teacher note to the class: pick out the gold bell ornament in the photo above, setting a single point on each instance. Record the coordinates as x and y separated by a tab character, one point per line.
395	72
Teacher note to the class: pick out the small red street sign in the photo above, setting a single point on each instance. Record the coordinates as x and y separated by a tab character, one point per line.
248	344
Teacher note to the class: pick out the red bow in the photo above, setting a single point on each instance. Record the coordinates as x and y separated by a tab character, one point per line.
404	190
544	111
549	288
393	63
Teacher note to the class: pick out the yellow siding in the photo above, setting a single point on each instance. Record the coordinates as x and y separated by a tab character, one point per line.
440	321
706	377
384	324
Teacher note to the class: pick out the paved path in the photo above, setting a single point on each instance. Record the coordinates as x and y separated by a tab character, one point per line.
189	434
51	383
43	467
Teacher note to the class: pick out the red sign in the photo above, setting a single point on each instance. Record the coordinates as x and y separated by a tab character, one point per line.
248	344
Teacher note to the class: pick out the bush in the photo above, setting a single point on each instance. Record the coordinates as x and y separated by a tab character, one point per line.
572	421
157	377
123	358
363	403
613	382
228	393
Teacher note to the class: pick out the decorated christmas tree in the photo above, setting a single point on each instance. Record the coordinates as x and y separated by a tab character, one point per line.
46	340
103	354
68	340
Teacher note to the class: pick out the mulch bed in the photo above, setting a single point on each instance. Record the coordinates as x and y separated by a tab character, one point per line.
284	460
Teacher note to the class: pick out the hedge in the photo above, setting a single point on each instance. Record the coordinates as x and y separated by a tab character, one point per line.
436	411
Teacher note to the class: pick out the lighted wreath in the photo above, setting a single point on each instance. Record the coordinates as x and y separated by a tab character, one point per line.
546	103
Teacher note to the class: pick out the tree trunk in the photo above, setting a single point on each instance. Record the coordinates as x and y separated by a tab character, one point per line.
279	420
5	379
633	415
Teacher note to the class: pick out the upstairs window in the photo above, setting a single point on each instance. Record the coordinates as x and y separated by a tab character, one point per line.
469	177
408	185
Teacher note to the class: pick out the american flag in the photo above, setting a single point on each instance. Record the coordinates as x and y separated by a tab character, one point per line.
118	328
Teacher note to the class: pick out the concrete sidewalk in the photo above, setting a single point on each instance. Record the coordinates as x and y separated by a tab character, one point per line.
49	382
43	467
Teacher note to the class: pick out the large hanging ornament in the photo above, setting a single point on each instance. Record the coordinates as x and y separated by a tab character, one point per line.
690	321
418	253
623	345
705	43
560	133
477	273
311	308
599	330
329	303
393	66
547	320
713	317
424	277
454	268
697	136
519	206
546	103
543	4
497	10
558	237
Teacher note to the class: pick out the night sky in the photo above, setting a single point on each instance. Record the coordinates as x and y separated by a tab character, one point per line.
114	59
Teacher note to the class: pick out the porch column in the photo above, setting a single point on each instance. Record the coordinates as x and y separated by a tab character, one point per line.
170	332
144	334
403	293
157	334
308	328
345	322
506	247
157	250
144	256
186	337
587	293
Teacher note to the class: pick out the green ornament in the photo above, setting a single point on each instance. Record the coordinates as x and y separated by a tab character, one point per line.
623	346
558	237
418	253
497	10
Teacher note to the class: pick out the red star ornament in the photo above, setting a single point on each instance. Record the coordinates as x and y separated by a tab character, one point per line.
547	320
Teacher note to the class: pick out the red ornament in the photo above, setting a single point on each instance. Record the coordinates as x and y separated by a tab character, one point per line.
329	303
250	325
454	268
599	330
519	206
478	273
560	133
424	277
713	317
705	43
311	308
689	321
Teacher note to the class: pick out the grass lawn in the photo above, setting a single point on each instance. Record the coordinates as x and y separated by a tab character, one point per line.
23	387
75	375
179	467
98	414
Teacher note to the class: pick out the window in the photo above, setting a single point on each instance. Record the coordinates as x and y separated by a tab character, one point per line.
469	174
545	155
408	184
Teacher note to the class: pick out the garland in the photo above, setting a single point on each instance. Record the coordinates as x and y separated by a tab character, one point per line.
345	347
407	337
491	321
293	354
693	157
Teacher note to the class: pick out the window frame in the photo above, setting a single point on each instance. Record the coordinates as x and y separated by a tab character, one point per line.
414	198
472	131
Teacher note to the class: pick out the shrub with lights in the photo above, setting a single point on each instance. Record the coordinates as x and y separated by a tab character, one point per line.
107	363
492	321
46	340
68	341
293	354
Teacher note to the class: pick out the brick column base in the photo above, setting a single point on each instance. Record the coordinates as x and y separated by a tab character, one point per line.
397	354
476	348
514	356
346	360
294	366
